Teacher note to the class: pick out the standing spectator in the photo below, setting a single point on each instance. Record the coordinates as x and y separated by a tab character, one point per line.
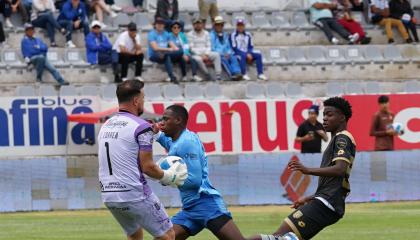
243	46
200	46
345	18
401	9
35	52
98	46
42	17
163	51
128	49
380	127
220	43
322	17
207	7
168	11
8	7
310	132
99	7
72	17
379	14
179	38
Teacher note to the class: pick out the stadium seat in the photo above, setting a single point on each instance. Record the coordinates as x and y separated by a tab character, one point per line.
109	22
47	91
354	88
76	57
358	16
316	55
17	22
11	59
230	23
335	55
25	91
254	91
393	55
296	55
354	54
293	90
108	92
172	92
281	20
261	21
372	88
143	22
412	87
193	92
411	53
374	55
152	92
417	15
213	91
122	20
68	90
300	21
274	90
186	18
277	56
55	58
88	90
334	89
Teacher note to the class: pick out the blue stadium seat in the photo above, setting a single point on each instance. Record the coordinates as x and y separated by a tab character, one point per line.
412	86
336	56
293	90
172	92
300	20
393	55
374	55
334	89
316	55
143	21
152	92
296	55
193	91
76	58
260	20
25	91
274	90
68	91
354	88
254	91
12	59
47	91
372	88
281	20
277	56
54	56
213	91
354	54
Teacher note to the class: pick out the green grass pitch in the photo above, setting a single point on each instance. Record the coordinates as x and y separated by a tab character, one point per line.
400	220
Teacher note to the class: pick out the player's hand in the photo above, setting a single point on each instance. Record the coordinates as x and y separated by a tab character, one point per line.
173	177
155	127
301	201
391	132
298	166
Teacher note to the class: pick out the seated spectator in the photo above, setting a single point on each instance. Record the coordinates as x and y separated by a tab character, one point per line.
345	18
99	7
322	17
220	43
8	7
356	5
379	14
243	46
128	49
28	7
98	46
179	38
401	9
42	17
200	46
206	8
72	17
113	6
139	5
35	52
163	51
168	11
2	36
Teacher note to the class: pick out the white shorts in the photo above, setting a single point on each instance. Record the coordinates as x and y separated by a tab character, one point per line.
149	214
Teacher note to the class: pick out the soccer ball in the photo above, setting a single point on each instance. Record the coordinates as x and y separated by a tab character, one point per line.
166	162
398	128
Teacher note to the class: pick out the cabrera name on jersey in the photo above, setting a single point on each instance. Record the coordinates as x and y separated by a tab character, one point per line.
120	140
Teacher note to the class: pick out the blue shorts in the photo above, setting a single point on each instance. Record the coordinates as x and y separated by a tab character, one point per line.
196	217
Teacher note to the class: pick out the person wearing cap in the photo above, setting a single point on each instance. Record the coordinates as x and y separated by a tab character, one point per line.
179	38
243	46
162	50
127	49
73	16
200	47
220	43
311	132
35	52
98	46
168	11
206	8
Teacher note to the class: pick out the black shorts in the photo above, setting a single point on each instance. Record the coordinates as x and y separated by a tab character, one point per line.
310	219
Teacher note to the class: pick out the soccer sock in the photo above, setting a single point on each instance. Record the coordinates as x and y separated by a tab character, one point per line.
270	237
287	236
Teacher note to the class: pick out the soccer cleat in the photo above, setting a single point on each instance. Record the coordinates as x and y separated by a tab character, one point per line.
246	77
262	77
335	41
70	44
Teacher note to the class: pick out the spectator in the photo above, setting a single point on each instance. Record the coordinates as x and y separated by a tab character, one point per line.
207	7
73	16
28	7
168	11
356	5
128	49
98	46
139	5
8	7
322	17
163	51
2	36
113	6
35	52
200	45
379	14
243	46
380	127
401	9
220	43
42	17
99	7
310	132
179	38
345	18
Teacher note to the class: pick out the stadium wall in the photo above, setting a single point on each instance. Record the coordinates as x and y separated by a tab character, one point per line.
52	183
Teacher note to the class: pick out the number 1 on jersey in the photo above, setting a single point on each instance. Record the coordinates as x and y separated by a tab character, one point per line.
108	158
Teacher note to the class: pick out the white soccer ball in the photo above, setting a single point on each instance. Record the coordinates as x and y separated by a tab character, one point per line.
166	162
398	128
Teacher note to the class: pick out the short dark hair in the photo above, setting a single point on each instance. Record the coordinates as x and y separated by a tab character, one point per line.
340	103
179	111
383	99
128	89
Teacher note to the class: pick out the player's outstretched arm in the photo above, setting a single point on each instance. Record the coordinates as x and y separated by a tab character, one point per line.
337	170
148	166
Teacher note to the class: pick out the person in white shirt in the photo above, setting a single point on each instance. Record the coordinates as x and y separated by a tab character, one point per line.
200	46
128	47
125	156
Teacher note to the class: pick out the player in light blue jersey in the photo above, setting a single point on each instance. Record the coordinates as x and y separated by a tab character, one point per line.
202	205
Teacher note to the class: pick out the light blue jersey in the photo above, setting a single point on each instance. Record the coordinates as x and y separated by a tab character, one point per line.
189	147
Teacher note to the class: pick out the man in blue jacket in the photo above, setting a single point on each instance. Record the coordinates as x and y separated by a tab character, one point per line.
98	46
220	43
35	52
72	17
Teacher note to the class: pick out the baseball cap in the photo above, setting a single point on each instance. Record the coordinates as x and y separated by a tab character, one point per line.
96	23
28	26
176	22
197	20
240	21
132	26
219	19
159	20
314	108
